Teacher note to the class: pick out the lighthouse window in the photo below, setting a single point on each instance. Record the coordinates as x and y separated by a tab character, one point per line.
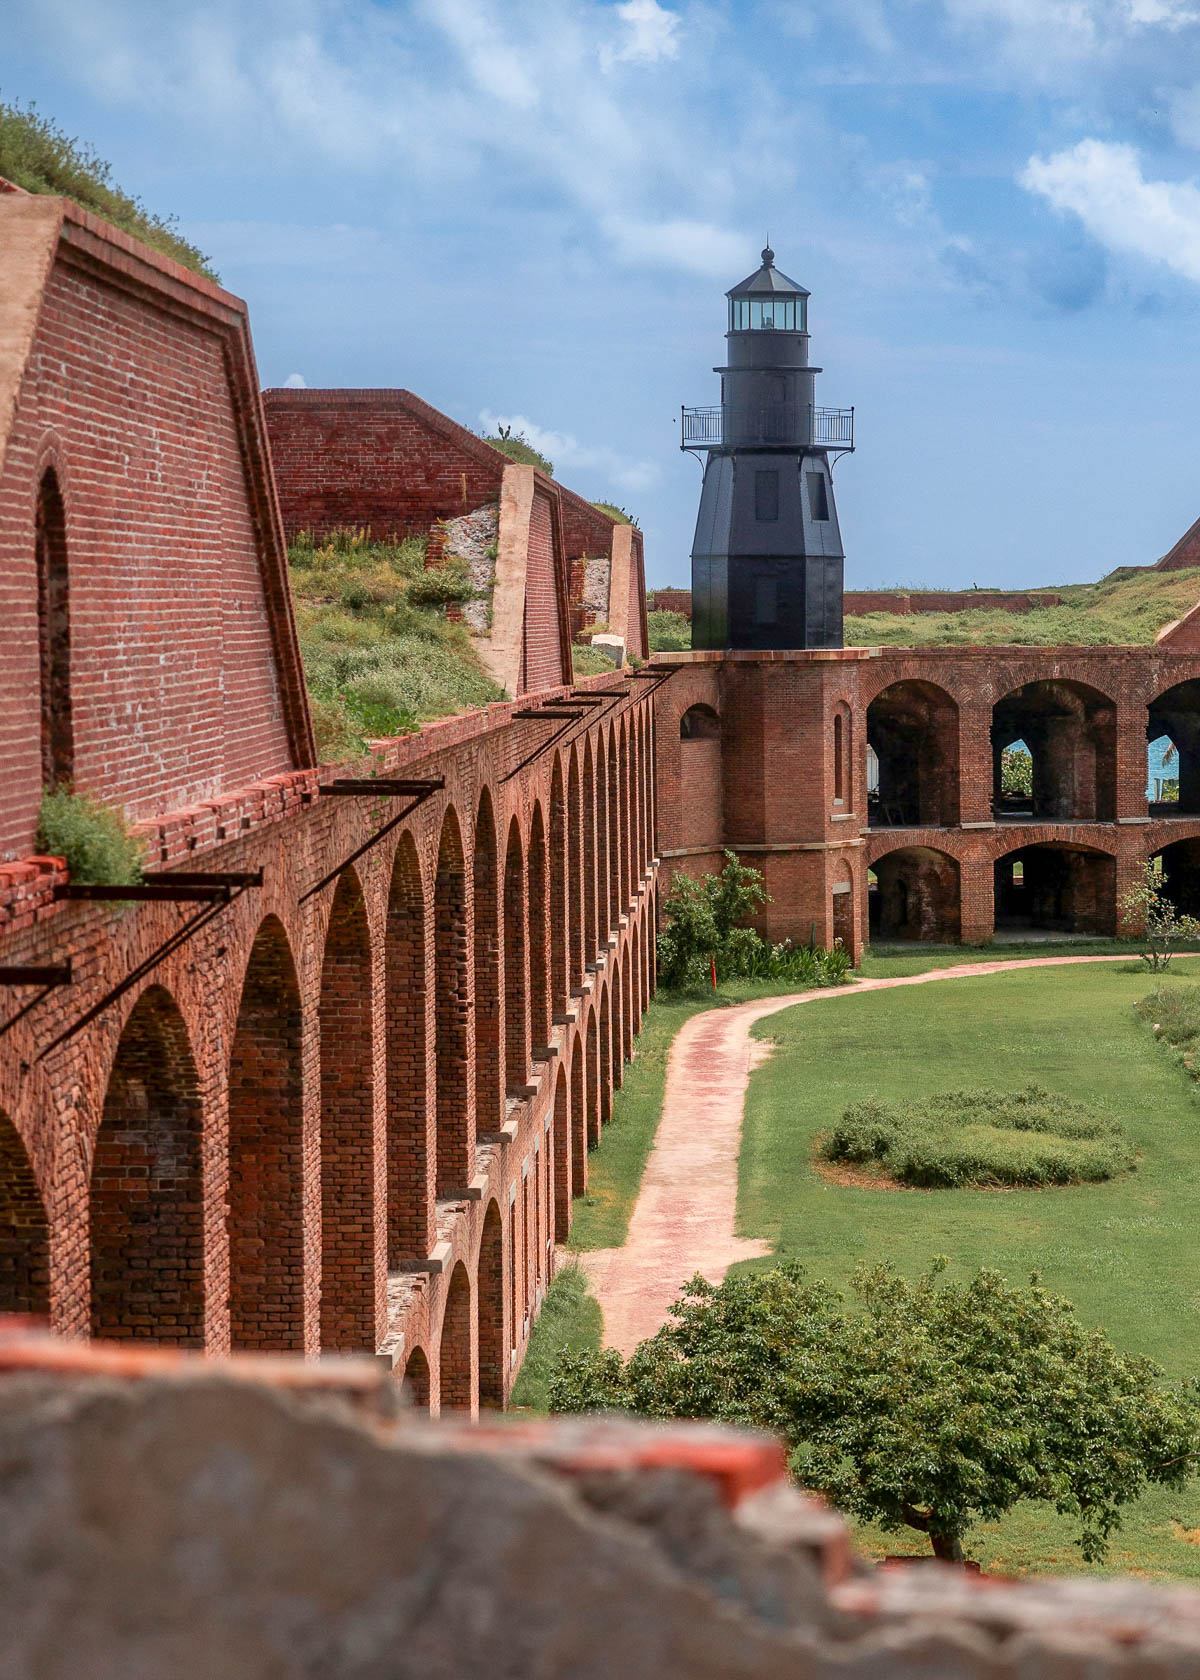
818	499
773	314
766	495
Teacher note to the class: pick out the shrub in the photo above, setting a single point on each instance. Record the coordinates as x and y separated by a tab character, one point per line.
922	1405
982	1137
36	154
670	632
435	588
95	840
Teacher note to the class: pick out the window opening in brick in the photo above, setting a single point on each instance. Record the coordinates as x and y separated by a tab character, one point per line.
1173	751
839	775
54	635
699	723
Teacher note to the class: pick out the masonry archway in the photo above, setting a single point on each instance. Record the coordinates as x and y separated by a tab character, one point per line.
24	1230
1070	732
576	873
266	1154
594	1079
563	1156
700	816
579	1136
452	1013
491	1310
607	1050
489	991
590	871
1180	866
912	728
516	967
146	1220
916	896
1173	737
614	834
537	915
603	909
457	1386
560	895
348	1206
415	1383
54	634
409	1024
1055	888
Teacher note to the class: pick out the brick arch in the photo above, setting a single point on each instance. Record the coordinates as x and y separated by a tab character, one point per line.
639	979
607	1051
1063	886
918	895
600	775
579	1120
1005	839
265	1202
560	894
560	1177
489	980
409	1027
350	1225
614	833
489	1274
1070	728
458	1389
24	1229
453	1010
516	964
591	852
537	910
146	1212
593	1079
415	1382
577	880
627	1027
1175	712
624	868
1155	835
912	727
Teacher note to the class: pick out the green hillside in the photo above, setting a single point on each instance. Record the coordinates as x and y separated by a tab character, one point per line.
1123	607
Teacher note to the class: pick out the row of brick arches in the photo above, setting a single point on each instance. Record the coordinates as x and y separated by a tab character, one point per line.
420	1058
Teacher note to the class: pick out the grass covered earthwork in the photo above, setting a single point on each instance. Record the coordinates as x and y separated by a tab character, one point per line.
983	1137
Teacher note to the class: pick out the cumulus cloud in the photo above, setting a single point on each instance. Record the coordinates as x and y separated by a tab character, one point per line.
1102	183
571	457
295	382
650	34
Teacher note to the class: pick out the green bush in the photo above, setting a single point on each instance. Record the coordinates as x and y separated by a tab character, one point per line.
982	1137
36	154
670	632
95	840
436	588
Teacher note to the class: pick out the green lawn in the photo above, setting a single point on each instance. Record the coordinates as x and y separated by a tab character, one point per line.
1124	1252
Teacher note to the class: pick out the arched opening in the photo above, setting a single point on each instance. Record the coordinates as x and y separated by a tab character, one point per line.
537	912
491	1310
576	872
24	1230
452	1014
616	1020
147	1206
54	634
489	1007
1173	757
594	1081
603	908
266	1154
607	1051
560	875
1055	889
411	1150
1070	732
560	1186
516	970
579	1129
639	1002
915	896
842	908
352	1273
700	723
839	759
455	1363
912	730
627	1008
624	872
1179	870
614	834
590	871
415	1383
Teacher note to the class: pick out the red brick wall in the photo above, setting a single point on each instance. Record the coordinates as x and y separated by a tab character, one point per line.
945	601
542	651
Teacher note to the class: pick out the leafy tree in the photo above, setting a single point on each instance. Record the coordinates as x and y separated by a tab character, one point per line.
518	448
1016	772
926	1405
1147	907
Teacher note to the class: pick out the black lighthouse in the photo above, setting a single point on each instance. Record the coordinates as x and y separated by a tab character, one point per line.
767	556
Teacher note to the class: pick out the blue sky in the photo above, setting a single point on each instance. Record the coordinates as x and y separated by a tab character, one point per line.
530	209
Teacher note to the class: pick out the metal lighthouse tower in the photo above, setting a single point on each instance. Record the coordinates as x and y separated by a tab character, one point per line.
767	556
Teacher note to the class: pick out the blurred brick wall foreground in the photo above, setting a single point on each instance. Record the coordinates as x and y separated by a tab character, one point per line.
161	1515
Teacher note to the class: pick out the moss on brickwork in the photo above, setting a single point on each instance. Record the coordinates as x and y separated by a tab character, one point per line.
36	154
1122	608
380	655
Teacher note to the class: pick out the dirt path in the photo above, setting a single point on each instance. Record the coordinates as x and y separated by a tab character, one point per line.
683	1219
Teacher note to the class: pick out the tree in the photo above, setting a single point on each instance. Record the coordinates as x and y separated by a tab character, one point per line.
929	1405
1016	772
701	923
1147	908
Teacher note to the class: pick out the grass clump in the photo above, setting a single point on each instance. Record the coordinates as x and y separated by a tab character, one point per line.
1173	1011
36	154
518	448
570	1322
587	661
1125	607
380	655
621	515
984	1137
670	632
95	840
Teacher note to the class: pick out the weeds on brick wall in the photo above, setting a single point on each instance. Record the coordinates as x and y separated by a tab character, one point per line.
670	632
983	1137
1131	608
620	514
380	656
38	155
518	448
95	840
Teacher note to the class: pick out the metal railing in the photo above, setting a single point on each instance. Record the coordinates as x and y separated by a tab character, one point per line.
822	428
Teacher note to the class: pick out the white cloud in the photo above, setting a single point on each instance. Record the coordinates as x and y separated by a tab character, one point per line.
570	456
697	247
295	382
651	33
1170	14
1102	183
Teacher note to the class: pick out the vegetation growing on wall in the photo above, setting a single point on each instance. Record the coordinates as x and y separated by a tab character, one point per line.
518	448
923	1405
1121	608
670	632
36	154
620	514
380	654
95	840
